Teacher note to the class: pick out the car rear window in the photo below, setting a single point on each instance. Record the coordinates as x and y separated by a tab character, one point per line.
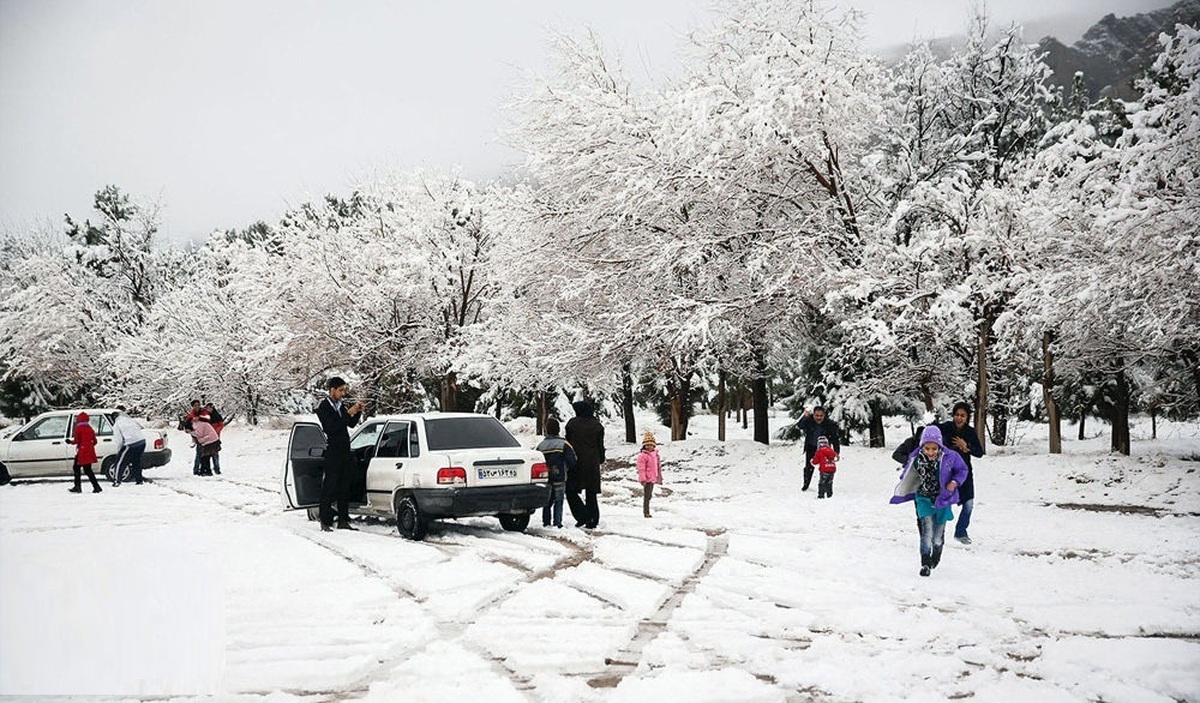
467	433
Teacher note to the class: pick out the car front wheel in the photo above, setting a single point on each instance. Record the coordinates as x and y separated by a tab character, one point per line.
409	520
514	523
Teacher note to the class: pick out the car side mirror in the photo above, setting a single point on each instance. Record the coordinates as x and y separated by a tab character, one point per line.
316	451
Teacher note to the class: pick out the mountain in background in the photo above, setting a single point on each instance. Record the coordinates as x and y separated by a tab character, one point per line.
1115	51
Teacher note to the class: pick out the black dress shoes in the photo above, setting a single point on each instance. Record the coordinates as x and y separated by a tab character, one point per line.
347	526
326	528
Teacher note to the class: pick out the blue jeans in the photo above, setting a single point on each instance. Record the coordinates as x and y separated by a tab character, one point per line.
196	462
933	535
964	518
555	501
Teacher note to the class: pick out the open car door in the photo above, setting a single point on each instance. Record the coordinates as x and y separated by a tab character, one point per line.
305	463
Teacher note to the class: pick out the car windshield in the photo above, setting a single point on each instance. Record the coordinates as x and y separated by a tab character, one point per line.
467	433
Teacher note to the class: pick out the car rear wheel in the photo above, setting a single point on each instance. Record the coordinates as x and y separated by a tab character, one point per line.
514	523
409	520
109	466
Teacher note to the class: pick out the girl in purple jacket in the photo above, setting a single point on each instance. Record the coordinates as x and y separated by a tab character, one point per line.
931	478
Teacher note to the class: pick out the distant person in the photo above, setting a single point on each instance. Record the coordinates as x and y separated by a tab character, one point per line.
825	461
131	445
218	423
816	424
196	411
84	439
560	461
649	468
586	435
930	478
336	421
205	439
963	439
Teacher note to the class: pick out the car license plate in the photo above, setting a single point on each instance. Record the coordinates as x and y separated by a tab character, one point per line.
497	472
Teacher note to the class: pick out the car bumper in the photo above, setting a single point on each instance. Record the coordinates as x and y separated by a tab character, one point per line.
157	458
465	502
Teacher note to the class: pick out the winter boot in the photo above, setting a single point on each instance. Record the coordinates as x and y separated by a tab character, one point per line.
935	558
75	489
925	567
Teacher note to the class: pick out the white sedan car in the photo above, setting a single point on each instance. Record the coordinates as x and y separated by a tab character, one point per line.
40	447
421	467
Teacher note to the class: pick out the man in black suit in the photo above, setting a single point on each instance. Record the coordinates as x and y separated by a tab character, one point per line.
336	421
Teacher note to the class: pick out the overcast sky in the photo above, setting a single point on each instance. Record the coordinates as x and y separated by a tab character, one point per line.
231	111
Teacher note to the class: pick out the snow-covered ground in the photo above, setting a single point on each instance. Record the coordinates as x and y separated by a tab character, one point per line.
1083	584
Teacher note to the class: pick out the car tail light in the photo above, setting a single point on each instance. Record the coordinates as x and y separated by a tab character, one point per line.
159	443
454	475
541	470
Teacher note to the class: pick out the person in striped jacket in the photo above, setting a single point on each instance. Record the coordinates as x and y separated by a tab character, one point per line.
560	460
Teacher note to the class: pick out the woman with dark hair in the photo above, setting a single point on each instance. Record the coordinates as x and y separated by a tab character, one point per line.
963	439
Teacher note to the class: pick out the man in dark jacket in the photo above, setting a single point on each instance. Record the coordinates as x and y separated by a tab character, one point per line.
586	435
336	421
816	424
963	438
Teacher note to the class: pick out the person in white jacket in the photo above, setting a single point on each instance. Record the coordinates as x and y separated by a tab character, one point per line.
131	444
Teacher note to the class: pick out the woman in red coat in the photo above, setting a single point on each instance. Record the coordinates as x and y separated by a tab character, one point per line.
85	452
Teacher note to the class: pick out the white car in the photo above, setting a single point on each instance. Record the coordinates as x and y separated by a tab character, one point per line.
40	447
421	467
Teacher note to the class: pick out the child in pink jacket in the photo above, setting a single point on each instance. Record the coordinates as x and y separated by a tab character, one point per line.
649	466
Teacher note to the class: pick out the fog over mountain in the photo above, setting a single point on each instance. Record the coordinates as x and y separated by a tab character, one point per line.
1114	51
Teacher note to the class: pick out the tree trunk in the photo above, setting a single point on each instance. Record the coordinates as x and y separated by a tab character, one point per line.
1000	424
539	399
1153	422
876	432
679	390
1120	417
499	404
627	403
762	433
1082	420
981	383
1193	363
721	404
743	397
926	394
1048	395
450	393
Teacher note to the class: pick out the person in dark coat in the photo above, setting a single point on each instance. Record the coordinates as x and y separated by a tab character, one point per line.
817	424
586	435
963	438
336	421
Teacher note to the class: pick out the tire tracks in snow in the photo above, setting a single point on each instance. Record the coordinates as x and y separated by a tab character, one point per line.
628	658
622	663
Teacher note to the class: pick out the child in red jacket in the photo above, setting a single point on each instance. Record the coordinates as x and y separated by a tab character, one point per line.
84	439
825	459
